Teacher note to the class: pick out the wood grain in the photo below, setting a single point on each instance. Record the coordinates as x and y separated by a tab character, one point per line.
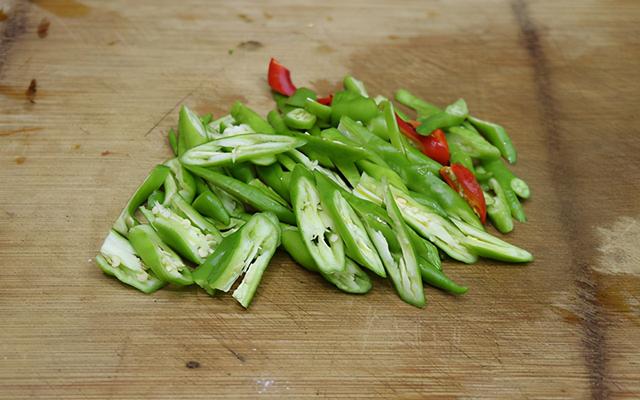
563	77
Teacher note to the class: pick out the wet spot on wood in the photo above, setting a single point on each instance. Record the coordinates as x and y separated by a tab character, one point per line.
267	15
325	49
250	45
393	37
3	15
43	28
192	364
329	18
31	91
187	17
619	251
20	160
63	8
111	43
13	92
76	146
245	18
567	315
106	153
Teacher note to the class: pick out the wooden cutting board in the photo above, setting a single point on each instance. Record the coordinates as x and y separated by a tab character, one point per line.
562	77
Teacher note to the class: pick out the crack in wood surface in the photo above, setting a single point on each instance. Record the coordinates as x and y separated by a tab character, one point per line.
591	321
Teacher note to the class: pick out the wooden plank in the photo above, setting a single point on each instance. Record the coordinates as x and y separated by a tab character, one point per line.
562	77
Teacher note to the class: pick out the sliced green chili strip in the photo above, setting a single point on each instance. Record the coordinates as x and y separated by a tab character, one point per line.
322	112
154	180
173	141
163	261
402	268
349	226
316	225
504	178
472	144
423	108
435	277
351	280
118	258
191	128
238	149
208	204
245	115
354	85
299	98
186	184
498	209
246	193
497	136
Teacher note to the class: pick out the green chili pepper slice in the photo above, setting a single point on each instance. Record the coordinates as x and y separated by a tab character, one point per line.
435	277
349	226
300	96
180	234
186	183
351	280
453	115
239	148
472	143
426	222
191	128
423	108
244	115
498	209
245	192
210	205
249	251
316	225
154	180
489	246
299	118
354	85
118	258
274	177
166	264
497	135
505	178
173	141
322	112
402	267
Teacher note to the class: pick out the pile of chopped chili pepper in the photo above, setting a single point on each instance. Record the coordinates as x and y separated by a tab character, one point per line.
347	184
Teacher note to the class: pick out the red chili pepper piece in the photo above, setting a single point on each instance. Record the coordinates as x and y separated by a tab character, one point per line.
464	182
435	146
413	123
325	100
408	130
280	78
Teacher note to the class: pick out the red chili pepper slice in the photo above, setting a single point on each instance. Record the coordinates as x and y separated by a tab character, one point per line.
279	78
413	123
408	130
325	100
464	182
435	145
